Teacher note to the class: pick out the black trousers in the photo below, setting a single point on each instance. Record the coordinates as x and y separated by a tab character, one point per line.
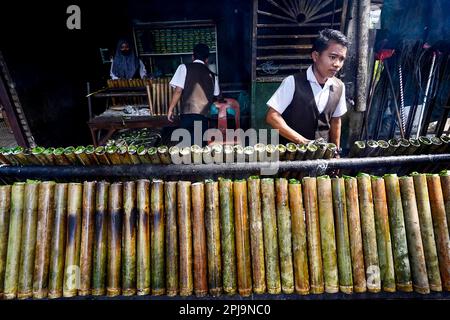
188	121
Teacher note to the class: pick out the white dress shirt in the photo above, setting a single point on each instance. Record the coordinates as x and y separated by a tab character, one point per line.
282	98
179	78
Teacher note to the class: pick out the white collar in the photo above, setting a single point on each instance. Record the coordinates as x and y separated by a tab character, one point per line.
199	61
311	77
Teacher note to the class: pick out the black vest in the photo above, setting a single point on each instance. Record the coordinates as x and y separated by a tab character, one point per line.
302	114
198	92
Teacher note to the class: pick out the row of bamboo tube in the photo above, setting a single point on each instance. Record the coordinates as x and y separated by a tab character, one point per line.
225	237
161	95
128	84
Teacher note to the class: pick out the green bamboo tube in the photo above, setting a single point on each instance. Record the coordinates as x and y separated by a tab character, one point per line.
256	234
114	239
384	243
28	242
175	157
7	154
132	153
129	239
291	150
196	152
217	153
281	150
102	157
69	153
38	153
321	149
227	236
113	155
72	261
124	156
299	243
427	232
415	247
5	205
48	153
284	235
142	153
185	237
342	236
199	239
243	259
397	227
18	153
260	151
354	226
143	237
212	224
157	237
170	207
440	228
58	244
154	155
99	258
90	153
313	235
445	182
82	156
60	158
249	154
310	152
46	212
206	155
228	153
369	237
268	208
163	153
327	235
301	152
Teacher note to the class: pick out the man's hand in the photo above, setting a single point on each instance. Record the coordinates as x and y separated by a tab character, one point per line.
302	140
170	115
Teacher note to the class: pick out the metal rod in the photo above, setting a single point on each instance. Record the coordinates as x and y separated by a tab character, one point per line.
422	110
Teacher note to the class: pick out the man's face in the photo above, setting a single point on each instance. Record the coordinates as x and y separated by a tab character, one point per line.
125	48
330	61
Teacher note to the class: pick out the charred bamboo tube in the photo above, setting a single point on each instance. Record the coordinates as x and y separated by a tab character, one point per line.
100	154
123	154
38	153
164	156
321	149
58	244
397	227
46	211
60	158
129	239
82	156
310	151
330	152
72	262
384	243
153	155
90	153
354	225
99	259
382	147
270	236
5	205
440	228
357	150
414	146
403	147
8	157
445	182
291	150
415	248
28	242
212	224
170	207
4	159
227	236
327	234
199	239
369	233
284	235
14	240
113	155
132	153
185	237
157	237
256	234
143	237
394	143
371	148
228	153
425	145
242	238
342	236
426	230
196	152
142	153
69	153
313	235
114	239
301	152
206	154
299	244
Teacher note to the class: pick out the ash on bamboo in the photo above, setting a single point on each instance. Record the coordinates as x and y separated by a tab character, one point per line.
157	237
5	205
114	232
199	239
185	237
129	239
170	207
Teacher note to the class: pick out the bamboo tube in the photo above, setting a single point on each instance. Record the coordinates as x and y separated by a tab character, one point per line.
271	153
327	235
72	261
354	226
311	150
270	236
206	155
69	153
114	239
321	149
90	153
113	155
440	228
212	224
342	236
164	156
143	237
301	152
239	156
415	248
28	242
228	152
14	240
291	150
313	235
153	156
129	239
369	233
281	152
142	153
330	151
384	243
60	158
185	237
260	151
157	237
4	159
256	234
170	206
185	154
196	152
99	259
427	232
38	153
5	206
227	236
81	156
58	244
242	238
199	239
217	153
397	227
357	150
175	156
100	154
445	182
124	156
132	153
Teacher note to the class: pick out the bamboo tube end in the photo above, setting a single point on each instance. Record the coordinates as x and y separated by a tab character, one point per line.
9	296
389	289
40	294
201	293
331	289
360	289
171	293
288	290
260	290
346	289
55	294
84	292
405	287
245	292
144	292
112	292
436	288
230	291
373	290
422	290
274	290
185	293
70	294
317	289
98	292
302	291
128	292
25	295
215	292
158	292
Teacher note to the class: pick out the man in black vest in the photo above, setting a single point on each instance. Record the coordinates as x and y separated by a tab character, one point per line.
309	105
196	86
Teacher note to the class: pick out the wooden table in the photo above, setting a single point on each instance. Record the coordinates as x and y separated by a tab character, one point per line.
111	124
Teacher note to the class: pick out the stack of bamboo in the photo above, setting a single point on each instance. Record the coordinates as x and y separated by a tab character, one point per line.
128	84
161	96
258	235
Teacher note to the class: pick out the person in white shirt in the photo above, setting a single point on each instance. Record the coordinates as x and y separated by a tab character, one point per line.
125	64
309	105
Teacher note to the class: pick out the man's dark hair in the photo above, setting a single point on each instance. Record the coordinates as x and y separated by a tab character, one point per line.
201	51
327	35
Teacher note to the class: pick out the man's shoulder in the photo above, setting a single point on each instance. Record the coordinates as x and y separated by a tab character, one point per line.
337	81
